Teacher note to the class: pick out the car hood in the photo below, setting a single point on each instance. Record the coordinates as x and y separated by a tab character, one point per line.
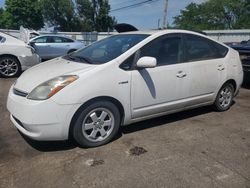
48	70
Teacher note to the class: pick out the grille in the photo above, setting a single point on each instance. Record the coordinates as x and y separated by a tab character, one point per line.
20	93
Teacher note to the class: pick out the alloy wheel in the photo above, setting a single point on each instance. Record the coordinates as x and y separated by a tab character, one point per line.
8	67
225	97
98	125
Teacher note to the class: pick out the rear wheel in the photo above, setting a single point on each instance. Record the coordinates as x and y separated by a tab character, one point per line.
9	67
97	124
224	98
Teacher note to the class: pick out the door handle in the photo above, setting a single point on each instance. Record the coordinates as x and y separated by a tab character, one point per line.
181	74
221	68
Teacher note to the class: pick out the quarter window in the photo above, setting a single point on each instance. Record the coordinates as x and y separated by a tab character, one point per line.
167	50
128	63
199	48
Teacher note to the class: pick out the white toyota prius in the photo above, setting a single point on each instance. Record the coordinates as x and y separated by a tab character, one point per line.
126	78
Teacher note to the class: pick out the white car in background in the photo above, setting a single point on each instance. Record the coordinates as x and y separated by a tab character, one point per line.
120	80
15	56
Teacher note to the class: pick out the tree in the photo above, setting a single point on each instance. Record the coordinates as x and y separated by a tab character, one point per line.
103	22
60	13
1	18
27	13
95	14
214	14
78	15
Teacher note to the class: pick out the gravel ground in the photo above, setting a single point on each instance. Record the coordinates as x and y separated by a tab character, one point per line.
196	148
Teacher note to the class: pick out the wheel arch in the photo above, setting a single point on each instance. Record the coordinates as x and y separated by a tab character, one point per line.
233	82
9	55
96	99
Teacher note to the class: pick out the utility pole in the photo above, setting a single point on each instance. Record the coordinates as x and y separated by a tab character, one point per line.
165	16
159	21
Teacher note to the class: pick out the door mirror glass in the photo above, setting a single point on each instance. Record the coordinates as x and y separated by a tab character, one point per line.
146	62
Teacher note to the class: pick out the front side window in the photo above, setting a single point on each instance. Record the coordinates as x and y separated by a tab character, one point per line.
41	40
107	49
167	50
199	48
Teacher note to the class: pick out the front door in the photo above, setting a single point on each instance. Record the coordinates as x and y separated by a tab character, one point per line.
160	89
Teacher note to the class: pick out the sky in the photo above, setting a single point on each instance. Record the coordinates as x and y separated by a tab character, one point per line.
147	15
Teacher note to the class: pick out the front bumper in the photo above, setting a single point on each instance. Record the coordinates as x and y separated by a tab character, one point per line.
40	120
29	61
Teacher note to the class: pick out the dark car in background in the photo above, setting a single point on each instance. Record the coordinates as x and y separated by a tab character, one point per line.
244	50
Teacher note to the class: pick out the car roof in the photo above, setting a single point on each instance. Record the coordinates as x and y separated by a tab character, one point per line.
164	31
53	35
169	31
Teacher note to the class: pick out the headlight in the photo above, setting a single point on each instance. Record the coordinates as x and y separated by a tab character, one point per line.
51	87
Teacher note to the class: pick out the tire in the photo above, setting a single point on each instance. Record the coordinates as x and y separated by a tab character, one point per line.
97	124
10	67
70	51
224	98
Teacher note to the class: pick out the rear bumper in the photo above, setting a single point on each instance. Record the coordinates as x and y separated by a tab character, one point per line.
29	61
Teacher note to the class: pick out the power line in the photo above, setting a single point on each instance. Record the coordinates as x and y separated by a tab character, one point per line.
120	3
134	5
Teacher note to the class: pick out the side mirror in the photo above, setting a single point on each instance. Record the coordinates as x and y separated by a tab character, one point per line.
146	62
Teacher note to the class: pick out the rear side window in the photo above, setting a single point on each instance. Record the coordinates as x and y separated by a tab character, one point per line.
61	40
199	48
67	40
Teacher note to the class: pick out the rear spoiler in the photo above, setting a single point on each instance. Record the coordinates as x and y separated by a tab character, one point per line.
123	27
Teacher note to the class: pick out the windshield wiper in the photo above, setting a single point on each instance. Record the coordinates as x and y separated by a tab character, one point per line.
78	58
69	57
81	58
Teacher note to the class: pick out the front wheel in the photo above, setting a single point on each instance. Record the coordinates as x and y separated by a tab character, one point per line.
224	98
97	124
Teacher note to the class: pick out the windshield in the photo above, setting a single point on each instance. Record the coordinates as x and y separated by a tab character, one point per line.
107	49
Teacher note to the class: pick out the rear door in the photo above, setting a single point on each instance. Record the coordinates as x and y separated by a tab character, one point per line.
205	68
60	45
160	89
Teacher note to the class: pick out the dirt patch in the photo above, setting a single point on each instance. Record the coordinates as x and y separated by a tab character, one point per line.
136	151
93	162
